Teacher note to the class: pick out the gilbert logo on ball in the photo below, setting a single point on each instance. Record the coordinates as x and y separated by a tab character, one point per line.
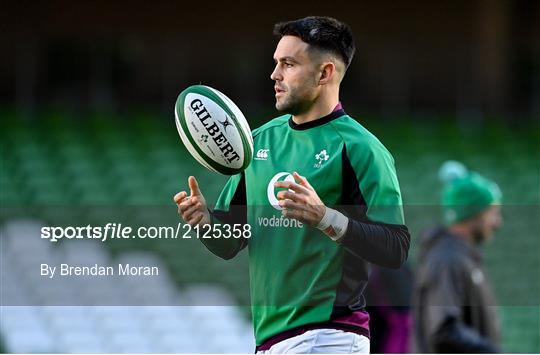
213	129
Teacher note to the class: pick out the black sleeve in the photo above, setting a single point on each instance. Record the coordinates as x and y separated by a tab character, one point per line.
228	248
455	337
381	244
237	212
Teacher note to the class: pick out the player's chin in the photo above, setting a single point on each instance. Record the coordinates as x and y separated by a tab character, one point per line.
281	106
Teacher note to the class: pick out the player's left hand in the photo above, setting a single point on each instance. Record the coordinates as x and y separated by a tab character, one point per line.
302	203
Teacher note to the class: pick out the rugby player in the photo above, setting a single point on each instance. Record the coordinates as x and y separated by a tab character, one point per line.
322	198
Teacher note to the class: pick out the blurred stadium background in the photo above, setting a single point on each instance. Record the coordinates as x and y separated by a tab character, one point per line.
87	134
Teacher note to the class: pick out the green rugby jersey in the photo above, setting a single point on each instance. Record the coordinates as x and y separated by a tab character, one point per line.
298	275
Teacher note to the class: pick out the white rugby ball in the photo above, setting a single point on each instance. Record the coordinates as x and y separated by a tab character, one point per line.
213	129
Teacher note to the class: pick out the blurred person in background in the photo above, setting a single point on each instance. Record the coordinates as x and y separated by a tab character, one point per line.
454	304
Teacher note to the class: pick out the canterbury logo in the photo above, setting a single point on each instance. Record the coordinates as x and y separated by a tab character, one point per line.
262	154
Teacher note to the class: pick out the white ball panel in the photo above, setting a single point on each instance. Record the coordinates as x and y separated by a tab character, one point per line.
208	143
189	146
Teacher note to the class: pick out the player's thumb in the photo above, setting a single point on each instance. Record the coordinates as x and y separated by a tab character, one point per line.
194	186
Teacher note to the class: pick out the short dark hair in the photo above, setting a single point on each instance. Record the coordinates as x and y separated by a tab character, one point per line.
323	33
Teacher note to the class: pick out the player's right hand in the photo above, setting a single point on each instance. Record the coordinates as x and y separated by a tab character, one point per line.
192	208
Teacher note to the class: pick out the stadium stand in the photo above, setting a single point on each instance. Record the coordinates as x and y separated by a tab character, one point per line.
108	327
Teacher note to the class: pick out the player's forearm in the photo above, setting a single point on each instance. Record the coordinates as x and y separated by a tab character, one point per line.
225	248
381	244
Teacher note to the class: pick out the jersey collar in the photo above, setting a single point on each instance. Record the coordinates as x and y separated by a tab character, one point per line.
338	112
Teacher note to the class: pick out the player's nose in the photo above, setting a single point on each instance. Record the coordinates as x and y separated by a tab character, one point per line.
276	75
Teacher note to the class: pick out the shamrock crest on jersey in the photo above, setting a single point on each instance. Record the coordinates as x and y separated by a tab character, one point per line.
321	157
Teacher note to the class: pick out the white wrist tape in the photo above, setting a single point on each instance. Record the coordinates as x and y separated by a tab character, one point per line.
333	224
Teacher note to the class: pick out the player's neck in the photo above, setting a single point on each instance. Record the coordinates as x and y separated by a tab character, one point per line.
323	107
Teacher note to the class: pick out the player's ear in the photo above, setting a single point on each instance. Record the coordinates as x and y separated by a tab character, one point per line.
328	70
